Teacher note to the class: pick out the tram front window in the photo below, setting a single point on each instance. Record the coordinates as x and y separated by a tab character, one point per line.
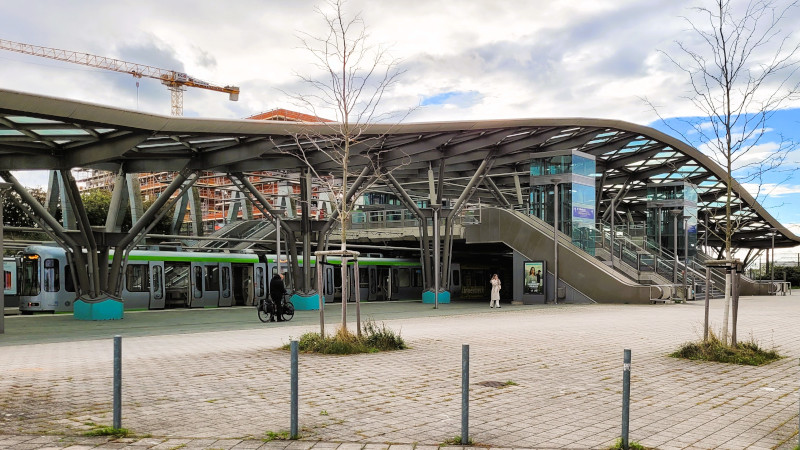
30	275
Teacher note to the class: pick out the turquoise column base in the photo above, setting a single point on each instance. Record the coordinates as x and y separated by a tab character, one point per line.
305	302
97	309
429	297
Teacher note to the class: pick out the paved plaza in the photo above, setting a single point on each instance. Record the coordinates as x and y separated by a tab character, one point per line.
217	379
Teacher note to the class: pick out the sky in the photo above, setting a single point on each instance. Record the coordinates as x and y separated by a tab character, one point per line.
462	60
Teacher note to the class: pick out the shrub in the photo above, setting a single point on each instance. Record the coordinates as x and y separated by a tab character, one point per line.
373	339
382	338
108	431
632	445
745	353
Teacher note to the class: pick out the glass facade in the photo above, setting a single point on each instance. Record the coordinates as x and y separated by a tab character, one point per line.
670	205
576	195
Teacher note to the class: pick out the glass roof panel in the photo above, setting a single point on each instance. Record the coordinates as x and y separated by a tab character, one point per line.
25	119
61	132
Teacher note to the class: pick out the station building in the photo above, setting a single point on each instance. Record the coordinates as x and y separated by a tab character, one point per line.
632	207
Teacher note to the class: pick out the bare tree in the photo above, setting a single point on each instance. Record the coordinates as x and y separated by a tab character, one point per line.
741	68
356	77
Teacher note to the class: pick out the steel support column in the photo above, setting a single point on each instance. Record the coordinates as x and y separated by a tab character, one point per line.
448	224
85	228
305	226
496	191
266	208
140	226
423	221
52	228
354	187
119	201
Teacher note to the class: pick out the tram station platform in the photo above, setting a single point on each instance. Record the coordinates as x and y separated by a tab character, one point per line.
216	378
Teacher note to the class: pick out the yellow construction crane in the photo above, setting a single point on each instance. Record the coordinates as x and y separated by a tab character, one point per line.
176	82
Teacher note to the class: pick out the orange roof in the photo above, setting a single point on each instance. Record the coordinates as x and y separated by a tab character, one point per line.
290	116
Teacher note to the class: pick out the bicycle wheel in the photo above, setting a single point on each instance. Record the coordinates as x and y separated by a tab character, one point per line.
263	313
288	311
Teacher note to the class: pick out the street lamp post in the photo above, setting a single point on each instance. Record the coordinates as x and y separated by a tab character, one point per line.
657	224
772	264
556	182
613	232
675	213
685	256
436	263
277	244
3	188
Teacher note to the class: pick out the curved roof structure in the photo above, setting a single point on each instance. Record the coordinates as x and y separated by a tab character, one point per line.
38	132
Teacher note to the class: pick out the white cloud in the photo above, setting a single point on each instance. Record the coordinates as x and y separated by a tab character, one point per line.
583	58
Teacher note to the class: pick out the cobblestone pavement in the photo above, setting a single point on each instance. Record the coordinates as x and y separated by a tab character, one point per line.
230	389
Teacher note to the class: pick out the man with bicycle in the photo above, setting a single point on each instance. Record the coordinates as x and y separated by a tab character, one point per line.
276	292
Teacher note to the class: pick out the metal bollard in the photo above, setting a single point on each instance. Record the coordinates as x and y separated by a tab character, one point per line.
464	394
294	347
117	382
626	396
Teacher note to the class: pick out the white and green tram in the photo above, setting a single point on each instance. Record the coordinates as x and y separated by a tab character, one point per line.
178	279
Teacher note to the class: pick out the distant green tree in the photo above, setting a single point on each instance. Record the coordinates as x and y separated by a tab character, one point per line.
165	224
13	216
96	203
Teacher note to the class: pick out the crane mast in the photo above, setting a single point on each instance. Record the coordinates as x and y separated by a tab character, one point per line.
175	81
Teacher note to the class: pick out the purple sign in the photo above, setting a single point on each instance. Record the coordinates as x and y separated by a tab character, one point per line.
582	213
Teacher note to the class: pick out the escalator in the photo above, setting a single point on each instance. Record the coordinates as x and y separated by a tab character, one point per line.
251	230
579	271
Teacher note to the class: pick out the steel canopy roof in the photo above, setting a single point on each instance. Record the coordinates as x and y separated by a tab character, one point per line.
38	132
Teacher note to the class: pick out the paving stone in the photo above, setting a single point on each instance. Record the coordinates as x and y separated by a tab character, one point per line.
213	389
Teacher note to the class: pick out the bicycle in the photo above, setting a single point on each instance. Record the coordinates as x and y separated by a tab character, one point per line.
266	309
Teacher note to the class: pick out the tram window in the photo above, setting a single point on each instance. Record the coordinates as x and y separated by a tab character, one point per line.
403	278
198	278
157	291
456	278
212	278
260	284
137	276
363	277
226	282
51	281
328	281
69	285
30	276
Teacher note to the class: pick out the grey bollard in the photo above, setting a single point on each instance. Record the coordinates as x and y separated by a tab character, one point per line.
117	382
626	396
464	394
294	347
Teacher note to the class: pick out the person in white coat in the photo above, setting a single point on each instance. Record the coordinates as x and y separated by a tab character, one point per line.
495	298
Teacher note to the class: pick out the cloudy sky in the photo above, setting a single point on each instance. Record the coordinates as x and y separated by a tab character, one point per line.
462	59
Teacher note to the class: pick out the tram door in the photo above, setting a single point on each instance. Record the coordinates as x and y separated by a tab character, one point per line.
260	282
328	283
157	296
196	277
225	285
380	285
